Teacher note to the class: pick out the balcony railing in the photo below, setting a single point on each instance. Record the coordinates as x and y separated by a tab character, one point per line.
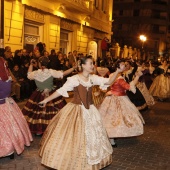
159	17
159	2
80	3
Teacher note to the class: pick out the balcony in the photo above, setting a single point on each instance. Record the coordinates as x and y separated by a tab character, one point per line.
76	6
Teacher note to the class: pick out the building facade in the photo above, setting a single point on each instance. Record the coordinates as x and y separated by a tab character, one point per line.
62	25
151	18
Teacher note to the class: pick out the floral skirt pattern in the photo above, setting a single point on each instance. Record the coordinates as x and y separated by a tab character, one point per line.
14	130
120	117
145	92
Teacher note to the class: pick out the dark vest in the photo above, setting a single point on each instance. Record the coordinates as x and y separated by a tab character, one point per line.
82	95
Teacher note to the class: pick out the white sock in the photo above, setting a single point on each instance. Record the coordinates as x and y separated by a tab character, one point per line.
112	141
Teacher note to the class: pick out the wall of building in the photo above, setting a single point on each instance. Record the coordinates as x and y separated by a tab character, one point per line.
13	24
50	20
54	33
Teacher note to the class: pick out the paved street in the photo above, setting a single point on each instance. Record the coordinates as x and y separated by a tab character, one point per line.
150	151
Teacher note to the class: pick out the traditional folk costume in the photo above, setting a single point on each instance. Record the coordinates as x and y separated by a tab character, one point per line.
147	76
120	116
161	85
75	138
14	131
38	118
143	89
98	94
137	99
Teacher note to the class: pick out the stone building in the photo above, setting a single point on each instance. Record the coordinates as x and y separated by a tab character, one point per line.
151	18
64	25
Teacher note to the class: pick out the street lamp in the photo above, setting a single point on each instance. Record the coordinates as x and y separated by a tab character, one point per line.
143	39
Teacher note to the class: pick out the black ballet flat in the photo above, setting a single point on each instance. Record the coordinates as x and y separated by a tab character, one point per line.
39	135
114	146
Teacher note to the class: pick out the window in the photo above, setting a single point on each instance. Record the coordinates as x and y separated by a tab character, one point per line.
120	26
156	44
155	28
103	5
31	35
168	29
121	12
31	29
136	13
64	40
96	3
136	0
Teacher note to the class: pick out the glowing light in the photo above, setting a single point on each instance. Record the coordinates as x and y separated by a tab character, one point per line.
143	38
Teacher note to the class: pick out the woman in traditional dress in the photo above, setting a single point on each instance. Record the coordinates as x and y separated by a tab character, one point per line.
14	130
75	138
38	118
141	85
98	94
160	87
137	99
120	116
147	73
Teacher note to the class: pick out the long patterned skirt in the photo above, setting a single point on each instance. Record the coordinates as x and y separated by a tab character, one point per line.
76	139
38	118
145	92
120	117
160	87
14	130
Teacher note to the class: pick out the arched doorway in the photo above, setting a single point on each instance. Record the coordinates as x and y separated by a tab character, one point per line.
92	49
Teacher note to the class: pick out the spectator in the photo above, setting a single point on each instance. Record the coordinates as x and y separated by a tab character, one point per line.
9	58
17	58
72	57
53	60
104	47
26	87
16	85
24	56
36	54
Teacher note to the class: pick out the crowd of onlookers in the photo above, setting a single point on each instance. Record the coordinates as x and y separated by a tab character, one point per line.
19	63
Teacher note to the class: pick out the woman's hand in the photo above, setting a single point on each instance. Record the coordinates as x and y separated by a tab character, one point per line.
75	65
119	70
21	79
109	93
32	61
139	73
42	103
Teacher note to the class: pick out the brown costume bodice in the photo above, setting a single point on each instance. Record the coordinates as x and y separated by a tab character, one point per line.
82	95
